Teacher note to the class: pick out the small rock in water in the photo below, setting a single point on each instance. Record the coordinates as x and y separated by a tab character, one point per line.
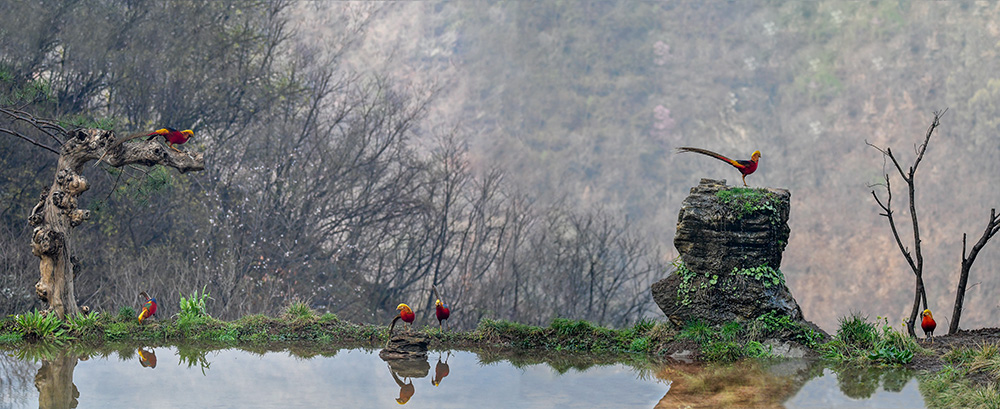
404	346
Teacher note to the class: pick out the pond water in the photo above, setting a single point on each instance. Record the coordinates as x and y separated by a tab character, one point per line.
171	377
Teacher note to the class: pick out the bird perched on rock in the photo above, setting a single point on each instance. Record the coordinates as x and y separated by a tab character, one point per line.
149	308
928	324
440	309
172	136
406	314
745	167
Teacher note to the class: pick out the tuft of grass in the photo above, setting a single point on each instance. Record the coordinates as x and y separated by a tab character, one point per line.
697	331
856	331
299	310
126	314
949	388
860	341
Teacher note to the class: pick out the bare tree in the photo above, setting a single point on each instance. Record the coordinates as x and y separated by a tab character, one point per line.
57	212
916	265
967	259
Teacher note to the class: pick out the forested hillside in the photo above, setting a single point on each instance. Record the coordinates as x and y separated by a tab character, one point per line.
585	101
322	184
518	155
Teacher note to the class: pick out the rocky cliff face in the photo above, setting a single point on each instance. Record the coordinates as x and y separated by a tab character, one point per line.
730	242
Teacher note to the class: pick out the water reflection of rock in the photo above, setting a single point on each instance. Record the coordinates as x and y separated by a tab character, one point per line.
54	382
746	384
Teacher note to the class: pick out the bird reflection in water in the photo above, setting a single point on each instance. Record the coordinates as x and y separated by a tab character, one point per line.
405	389
440	370
147	358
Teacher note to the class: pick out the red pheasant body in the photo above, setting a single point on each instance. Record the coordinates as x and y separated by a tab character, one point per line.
442	311
928	324
172	136
407	316
148	309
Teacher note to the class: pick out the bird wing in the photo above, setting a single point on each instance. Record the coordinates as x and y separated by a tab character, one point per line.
706	152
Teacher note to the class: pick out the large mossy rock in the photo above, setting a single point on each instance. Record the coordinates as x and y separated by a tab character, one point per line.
730	242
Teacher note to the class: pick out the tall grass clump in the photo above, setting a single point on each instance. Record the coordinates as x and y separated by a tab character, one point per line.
299	310
193	310
861	342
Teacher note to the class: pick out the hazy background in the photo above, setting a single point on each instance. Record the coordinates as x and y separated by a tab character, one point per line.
565	113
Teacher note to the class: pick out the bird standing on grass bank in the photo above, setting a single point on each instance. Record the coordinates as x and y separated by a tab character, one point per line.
745	167
928	324
172	136
149	308
440	309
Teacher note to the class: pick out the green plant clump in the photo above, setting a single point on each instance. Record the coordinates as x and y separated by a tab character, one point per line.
859	341
728	343
41	327
765	274
687	285
745	201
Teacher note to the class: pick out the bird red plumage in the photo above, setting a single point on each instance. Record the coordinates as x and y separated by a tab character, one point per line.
745	167
406	314
441	309
172	136
149	308
928	324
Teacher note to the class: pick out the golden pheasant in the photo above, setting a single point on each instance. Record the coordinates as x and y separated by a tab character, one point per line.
928	324
172	136
745	167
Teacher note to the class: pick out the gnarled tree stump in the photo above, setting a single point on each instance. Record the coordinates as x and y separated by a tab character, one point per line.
56	212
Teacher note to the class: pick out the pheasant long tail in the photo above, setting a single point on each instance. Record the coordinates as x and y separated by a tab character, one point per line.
391	326
712	154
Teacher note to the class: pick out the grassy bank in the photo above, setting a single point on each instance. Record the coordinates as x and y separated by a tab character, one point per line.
299	324
967	380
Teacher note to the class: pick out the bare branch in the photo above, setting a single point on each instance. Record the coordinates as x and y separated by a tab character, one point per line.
47	127
31	141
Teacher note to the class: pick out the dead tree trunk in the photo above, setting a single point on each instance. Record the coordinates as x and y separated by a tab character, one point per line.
967	259
916	263
56	213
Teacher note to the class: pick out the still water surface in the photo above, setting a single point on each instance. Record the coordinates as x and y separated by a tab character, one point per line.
168	377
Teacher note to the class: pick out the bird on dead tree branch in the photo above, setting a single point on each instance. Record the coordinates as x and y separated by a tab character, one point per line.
172	136
745	167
